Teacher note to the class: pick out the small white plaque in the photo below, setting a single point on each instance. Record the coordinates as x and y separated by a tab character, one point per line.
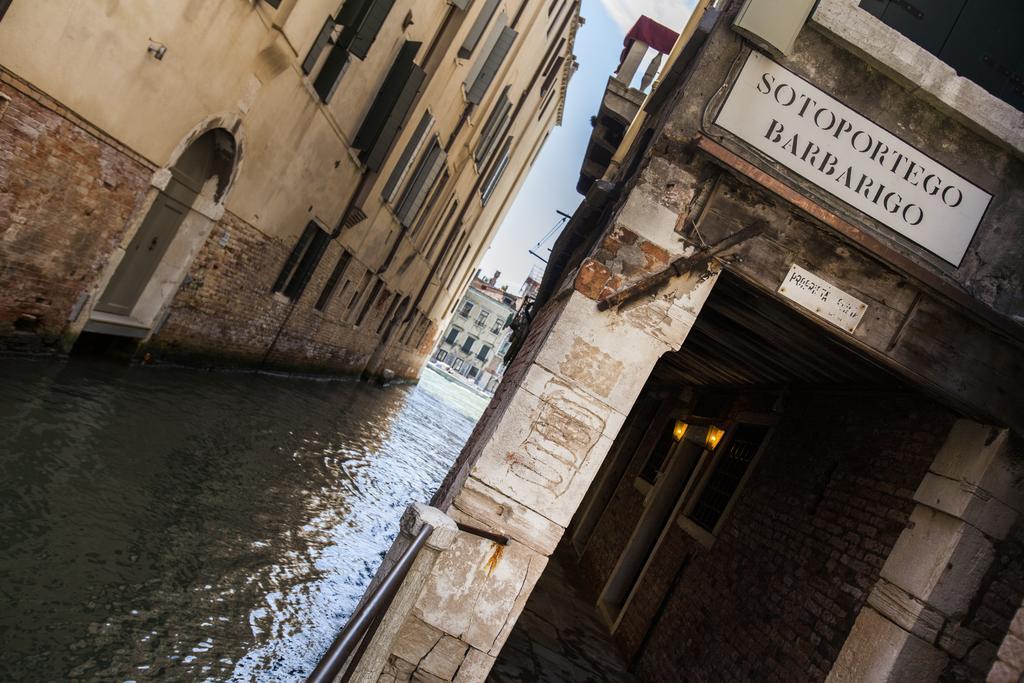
822	298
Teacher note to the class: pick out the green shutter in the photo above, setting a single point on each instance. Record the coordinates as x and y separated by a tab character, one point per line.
475	94
319	44
390	108
416	193
369	27
352	11
478	28
407	154
330	73
492	128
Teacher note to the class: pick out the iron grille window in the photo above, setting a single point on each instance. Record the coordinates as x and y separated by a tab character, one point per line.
302	261
457	364
730	469
980	40
441	355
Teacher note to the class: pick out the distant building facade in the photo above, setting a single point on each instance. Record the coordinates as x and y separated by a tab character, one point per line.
291	183
478	337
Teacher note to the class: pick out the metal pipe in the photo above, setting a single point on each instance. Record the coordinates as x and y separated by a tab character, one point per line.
500	539
359	624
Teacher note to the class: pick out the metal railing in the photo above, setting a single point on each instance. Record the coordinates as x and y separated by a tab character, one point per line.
363	624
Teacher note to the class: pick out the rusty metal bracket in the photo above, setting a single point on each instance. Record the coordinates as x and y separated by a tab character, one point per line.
483	533
680	266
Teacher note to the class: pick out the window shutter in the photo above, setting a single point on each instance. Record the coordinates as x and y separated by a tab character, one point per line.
476	92
496	171
421	183
550	80
494	123
293	258
390	108
461	4
310	260
4	4
407	155
478	28
330	73
369	27
352	11
319	44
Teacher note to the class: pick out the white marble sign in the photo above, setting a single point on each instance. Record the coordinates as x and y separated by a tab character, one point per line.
822	298
811	133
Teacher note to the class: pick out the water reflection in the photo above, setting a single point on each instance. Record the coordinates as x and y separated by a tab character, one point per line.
170	523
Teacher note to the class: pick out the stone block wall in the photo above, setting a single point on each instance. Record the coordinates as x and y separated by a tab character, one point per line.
66	196
776	594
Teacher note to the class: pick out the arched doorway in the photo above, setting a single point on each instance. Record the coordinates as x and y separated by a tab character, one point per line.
200	176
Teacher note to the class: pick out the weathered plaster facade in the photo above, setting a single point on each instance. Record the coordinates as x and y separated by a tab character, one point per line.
106	117
873	535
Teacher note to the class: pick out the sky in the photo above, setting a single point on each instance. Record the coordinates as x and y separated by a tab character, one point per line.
551	185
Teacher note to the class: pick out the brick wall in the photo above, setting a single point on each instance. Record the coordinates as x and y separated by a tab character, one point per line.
66	197
225	311
776	594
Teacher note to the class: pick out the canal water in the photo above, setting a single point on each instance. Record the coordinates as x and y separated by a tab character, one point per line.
164	523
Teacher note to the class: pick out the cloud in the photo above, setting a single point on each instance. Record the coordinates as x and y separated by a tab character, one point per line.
671	13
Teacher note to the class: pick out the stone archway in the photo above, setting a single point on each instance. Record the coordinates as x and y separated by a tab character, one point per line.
188	201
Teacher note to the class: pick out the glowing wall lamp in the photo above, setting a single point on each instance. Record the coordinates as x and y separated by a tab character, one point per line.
708	436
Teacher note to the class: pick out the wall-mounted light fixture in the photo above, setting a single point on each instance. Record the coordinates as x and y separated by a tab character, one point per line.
707	436
158	50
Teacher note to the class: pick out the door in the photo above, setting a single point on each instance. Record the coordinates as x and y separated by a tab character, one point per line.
146	250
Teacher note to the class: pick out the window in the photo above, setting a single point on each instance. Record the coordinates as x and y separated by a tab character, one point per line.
332	281
659	454
323	39
370	300
395	301
467	346
486	68
457	364
273	3
730	469
423	180
980	40
4	5
485	350
467	306
481	318
496	327
477	29
411	151
494	176
390	108
504	347
367	276
302	261
473	372
441	355
494	129
453	335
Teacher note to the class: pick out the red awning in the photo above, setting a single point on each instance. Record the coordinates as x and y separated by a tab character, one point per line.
650	32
